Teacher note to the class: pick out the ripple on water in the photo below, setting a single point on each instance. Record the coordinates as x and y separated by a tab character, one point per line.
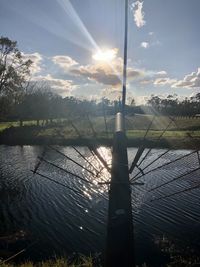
65	221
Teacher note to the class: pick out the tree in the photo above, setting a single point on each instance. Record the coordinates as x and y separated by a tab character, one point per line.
14	69
39	103
132	103
154	102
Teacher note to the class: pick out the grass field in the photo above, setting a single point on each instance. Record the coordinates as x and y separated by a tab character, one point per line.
137	122
176	129
136	127
4	125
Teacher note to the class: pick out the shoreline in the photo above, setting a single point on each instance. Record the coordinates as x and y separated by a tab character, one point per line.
164	143
31	135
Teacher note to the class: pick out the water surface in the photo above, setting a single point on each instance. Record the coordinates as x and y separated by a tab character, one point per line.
57	220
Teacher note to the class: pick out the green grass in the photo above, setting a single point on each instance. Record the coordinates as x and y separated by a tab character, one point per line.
139	122
136	127
66	133
4	125
156	134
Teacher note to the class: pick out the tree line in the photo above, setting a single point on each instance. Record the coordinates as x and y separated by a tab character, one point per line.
172	105
21	99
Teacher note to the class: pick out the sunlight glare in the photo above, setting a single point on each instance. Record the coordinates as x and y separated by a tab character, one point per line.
105	55
102	175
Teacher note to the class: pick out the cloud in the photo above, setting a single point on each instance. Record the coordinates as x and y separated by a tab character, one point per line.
141	100
60	86
150	76
115	94
144	44
106	73
151	33
36	58
134	73
112	93
97	73
164	81
138	14
190	81
161	73
65	62
146	81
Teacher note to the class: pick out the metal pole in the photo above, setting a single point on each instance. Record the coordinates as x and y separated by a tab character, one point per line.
120	241
125	58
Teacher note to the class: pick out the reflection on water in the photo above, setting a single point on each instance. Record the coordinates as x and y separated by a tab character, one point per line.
64	222
101	174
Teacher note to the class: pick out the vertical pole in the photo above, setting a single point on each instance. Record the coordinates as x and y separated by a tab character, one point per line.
120	241
125	59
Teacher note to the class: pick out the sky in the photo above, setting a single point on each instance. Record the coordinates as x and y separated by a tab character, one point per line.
77	46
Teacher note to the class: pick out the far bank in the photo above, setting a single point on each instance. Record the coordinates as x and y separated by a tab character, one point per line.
51	135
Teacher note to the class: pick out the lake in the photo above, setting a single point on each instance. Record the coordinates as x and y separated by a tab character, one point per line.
50	219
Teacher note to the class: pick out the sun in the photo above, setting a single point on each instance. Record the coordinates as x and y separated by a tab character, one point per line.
105	55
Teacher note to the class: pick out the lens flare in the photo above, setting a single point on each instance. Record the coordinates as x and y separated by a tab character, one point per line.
105	55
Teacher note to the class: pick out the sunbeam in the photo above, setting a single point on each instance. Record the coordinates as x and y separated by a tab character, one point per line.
72	14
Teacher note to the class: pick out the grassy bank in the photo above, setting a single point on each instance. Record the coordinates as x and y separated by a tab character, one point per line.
60	262
136	121
88	262
180	133
164	252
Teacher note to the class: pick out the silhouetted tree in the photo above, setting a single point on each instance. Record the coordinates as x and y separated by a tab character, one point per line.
14	71
13	67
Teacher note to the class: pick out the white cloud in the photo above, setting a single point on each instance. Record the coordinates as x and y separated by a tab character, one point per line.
105	72
65	62
146	80
111	93
162	73
115	94
141	100
60	86
151	33
190	81
164	81
150	76
144	44
138	14
36	58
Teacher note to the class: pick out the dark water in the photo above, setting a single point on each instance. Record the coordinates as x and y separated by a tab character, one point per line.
56	220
